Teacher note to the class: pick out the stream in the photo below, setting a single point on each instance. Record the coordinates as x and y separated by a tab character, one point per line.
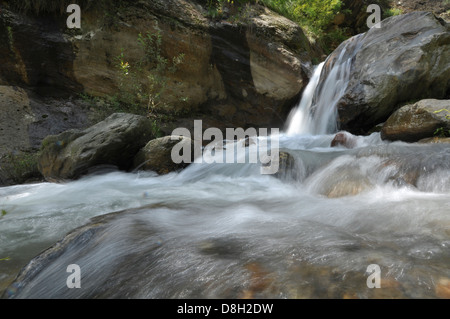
227	231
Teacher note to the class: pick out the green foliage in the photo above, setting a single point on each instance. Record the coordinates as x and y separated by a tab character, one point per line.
216	7
392	12
315	17
442	132
3	213
6	258
316	14
10	36
145	81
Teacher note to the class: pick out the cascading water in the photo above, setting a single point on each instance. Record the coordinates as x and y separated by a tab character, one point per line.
226	231
316	113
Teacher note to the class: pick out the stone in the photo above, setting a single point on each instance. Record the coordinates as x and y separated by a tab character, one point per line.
408	58
417	121
114	141
344	139
156	156
435	140
442	288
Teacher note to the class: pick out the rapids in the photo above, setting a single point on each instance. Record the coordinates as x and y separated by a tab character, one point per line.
227	231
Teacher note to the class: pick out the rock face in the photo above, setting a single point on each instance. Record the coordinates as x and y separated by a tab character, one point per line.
114	141
414	122
244	71
407	58
157	154
25	120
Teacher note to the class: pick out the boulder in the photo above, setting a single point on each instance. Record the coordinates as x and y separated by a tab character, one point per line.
417	121
114	141
156	156
407	58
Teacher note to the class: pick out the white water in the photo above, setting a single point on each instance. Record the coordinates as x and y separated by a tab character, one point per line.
316	112
211	229
226	231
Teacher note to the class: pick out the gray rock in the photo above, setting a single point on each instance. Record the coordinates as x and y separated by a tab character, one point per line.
114	141
407	58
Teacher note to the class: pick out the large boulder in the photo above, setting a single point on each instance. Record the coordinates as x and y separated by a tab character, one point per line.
417	121
408	58
114	141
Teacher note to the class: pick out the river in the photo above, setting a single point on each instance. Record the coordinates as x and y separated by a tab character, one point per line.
228	231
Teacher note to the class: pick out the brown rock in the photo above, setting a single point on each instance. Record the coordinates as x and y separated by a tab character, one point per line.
414	122
443	288
344	139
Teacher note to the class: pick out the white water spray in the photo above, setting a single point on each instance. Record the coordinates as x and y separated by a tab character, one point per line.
316	114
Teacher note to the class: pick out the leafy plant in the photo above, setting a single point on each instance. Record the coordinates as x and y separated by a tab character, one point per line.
145	81
6	258
3	213
392	12
442	132
315	17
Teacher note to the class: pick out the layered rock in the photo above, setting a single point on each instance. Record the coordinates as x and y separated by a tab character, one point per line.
244	71
114	141
417	121
407	58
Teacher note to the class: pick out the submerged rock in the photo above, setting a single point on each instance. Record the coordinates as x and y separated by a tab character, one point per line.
414	122
114	141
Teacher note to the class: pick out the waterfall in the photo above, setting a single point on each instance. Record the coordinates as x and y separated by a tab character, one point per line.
316	113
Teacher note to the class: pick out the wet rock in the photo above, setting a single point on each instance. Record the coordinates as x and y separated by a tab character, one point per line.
417	67
417	121
114	141
288	167
443	288
434	140
344	139
347	187
157	154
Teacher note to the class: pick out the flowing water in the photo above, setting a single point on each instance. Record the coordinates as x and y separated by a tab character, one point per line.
227	231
